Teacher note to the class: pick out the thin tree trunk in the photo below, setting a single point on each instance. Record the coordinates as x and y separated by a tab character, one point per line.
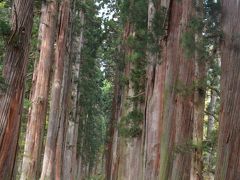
48	170
210	128
111	141
156	70
70	154
199	105
65	101
211	116
199	101
228	158
40	89
14	73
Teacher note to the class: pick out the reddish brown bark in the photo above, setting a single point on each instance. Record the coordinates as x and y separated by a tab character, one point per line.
228	163
39	99
55	105
14	73
65	101
175	162
154	100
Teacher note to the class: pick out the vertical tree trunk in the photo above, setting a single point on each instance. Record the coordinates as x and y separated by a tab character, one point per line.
40	89
65	101
199	105
70	152
14	73
199	101
110	155
228	166
211	111
210	129
48	170
175	161
156	69
129	150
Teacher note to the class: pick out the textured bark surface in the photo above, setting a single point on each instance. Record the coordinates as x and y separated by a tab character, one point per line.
228	163
198	120
49	159
70	149
40	89
14	73
63	116
154	101
210	129
129	159
178	102
110	154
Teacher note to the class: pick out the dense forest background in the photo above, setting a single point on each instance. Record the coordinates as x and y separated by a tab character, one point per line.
119	89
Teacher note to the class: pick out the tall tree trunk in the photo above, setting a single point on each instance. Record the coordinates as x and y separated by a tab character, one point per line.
199	100
129	150
210	128
156	69
70	152
40	89
48	170
66	97
14	73
175	161
65	101
199	106
211	113
110	154
228	158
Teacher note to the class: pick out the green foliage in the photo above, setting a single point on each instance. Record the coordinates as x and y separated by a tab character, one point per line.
3	85
5	28
136	13
187	90
159	22
187	147
4	34
95	89
189	43
96	177
129	126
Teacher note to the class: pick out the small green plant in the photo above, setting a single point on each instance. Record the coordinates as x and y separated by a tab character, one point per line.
159	22
130	125
96	177
187	147
189	43
3	85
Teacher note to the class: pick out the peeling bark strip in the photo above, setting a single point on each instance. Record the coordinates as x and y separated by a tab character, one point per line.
178	106
40	89
228	163
14	73
55	105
